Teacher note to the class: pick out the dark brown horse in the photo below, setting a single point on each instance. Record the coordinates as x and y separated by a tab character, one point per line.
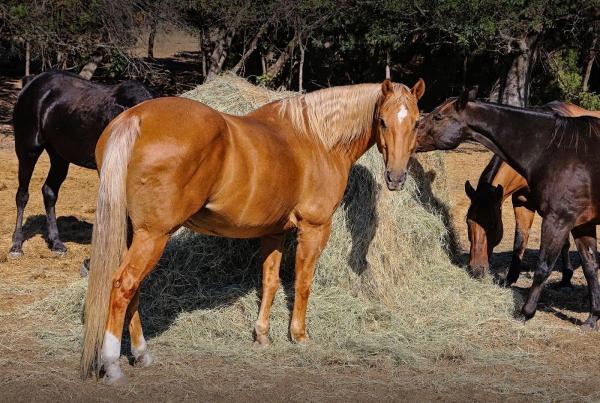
558	158
63	114
173	162
484	218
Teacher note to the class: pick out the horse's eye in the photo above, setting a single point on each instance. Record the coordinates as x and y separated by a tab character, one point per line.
382	123
437	118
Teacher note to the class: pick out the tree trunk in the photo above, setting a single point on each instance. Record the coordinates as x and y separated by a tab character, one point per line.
388	73
514	88
219	54
274	70
590	63
251	48
301	66
202	52
27	57
90	68
151	37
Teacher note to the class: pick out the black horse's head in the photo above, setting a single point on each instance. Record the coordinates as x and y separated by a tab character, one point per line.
444	127
130	93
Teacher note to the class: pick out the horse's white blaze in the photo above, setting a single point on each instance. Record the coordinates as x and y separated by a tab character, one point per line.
402	114
111	348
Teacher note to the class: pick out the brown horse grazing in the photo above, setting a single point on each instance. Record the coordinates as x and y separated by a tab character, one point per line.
497	182
174	162
557	157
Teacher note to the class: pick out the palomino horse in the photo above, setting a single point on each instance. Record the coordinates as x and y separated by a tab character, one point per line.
173	162
558	159
497	182
63	114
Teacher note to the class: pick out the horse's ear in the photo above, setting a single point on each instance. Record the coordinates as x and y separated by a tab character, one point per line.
498	193
469	190
462	101
418	89
387	88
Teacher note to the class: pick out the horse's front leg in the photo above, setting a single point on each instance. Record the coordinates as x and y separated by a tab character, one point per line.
271	249
311	242
585	239
555	230
59	168
524	215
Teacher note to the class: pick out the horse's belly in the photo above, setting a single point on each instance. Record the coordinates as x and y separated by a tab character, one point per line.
219	223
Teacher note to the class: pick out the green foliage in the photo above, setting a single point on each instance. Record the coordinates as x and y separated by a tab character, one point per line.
567	77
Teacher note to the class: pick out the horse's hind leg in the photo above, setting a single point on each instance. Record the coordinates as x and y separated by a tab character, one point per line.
27	160
585	239
139	260
139	348
58	172
555	230
567	268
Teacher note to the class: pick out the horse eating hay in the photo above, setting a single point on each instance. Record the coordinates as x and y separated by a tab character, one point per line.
284	166
64	114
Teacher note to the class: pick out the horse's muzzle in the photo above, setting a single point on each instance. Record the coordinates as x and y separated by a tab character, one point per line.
394	182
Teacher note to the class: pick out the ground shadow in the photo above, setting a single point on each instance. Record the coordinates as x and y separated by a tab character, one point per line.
198	272
554	299
70	228
434	205
360	205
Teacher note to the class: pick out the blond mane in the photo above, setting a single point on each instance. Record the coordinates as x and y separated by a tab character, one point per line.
337	115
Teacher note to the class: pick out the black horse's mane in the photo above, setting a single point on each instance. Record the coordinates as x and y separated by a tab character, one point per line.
569	132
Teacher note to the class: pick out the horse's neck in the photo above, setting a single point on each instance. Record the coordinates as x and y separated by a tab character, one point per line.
515	136
269	114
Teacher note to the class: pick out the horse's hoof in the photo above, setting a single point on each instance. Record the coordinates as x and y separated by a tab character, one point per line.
144	360
523	316
118	379
15	254
59	252
262	342
301	340
84	269
589	326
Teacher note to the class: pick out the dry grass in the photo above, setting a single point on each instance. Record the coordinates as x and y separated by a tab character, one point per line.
385	291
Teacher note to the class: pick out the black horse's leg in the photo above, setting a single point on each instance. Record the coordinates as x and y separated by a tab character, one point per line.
554	232
567	268
58	172
585	239
27	161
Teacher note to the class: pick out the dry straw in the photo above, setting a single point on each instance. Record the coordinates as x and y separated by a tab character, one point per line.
385	289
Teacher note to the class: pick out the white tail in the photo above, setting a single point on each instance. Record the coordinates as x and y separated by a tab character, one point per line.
109	238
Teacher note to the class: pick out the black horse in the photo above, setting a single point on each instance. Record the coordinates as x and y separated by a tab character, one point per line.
63	114
558	156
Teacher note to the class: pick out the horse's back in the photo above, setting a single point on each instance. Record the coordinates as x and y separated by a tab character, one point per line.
67	112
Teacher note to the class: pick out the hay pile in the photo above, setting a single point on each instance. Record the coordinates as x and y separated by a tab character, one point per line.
385	289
